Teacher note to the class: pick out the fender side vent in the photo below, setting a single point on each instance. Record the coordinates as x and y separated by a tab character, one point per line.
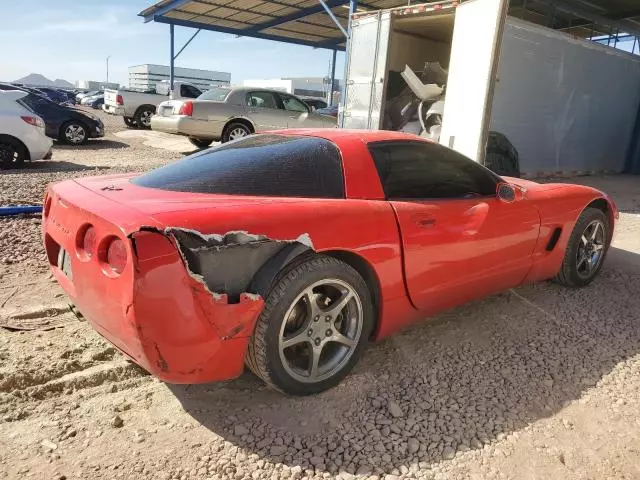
555	236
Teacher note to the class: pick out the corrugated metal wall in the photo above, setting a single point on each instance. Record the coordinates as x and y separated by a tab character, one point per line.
567	105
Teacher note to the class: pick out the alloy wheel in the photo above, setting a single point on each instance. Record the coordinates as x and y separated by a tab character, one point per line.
320	330
591	249
145	118
75	133
237	132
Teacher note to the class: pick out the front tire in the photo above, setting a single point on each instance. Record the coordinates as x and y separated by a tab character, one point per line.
315	324
586	250
234	131
201	143
74	133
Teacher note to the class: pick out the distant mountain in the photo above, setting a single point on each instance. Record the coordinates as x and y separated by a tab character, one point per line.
59	82
42	81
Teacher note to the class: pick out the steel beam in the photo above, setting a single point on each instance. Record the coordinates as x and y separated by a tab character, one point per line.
626	26
162	10
244	33
187	44
333	17
305	12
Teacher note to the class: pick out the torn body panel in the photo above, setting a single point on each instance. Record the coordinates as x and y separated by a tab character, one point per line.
227	263
199	333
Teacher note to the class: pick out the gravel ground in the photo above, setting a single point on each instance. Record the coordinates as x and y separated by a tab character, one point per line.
539	382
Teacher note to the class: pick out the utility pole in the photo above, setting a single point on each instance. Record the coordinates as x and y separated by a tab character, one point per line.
108	57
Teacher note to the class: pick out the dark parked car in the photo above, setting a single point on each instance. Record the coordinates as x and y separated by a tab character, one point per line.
63	123
96	101
55	95
331	111
315	103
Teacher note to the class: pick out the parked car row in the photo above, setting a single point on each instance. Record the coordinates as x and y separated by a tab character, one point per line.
54	121
224	114
22	133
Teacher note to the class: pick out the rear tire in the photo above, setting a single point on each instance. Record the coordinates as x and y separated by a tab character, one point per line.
143	116
201	143
12	154
319	307
586	250
234	131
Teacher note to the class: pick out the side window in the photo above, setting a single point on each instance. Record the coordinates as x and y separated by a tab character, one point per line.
428	170
292	104
262	100
187	91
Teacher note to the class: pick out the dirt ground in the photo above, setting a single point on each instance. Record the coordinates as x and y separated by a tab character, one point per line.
537	383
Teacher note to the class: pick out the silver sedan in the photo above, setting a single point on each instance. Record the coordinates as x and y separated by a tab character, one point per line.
224	114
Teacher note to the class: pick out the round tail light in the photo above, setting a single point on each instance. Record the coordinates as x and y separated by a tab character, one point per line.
47	205
87	242
116	256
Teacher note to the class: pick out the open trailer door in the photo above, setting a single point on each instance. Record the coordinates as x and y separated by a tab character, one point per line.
366	71
477	36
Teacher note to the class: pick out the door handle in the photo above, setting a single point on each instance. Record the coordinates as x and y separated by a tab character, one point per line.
253	111
424	221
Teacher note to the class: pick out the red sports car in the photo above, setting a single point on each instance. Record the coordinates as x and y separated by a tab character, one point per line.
289	251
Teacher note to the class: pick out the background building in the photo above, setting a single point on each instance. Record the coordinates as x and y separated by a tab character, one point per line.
146	76
317	87
95	85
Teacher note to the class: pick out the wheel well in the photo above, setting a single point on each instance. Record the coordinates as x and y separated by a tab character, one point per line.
144	106
366	271
16	141
602	205
243	121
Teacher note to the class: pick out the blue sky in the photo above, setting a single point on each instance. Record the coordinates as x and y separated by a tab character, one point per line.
70	39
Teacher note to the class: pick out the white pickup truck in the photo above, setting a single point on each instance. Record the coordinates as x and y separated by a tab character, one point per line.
137	107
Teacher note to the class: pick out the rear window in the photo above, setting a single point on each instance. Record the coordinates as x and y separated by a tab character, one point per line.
217	94
262	165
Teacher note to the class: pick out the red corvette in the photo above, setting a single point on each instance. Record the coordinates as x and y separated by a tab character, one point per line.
289	251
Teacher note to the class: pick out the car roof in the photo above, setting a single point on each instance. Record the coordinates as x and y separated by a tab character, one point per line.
338	134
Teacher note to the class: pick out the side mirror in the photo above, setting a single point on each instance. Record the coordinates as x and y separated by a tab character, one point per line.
509	193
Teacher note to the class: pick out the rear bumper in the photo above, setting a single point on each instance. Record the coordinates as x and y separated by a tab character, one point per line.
154	312
188	126
110	109
40	149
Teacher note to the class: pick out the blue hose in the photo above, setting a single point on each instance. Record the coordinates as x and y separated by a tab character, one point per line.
19	210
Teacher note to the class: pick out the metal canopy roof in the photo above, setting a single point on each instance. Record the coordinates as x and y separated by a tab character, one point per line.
305	22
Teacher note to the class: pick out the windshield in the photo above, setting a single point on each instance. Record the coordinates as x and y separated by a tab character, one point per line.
217	94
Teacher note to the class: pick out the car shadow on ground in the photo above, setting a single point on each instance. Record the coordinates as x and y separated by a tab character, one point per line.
53	166
472	375
93	144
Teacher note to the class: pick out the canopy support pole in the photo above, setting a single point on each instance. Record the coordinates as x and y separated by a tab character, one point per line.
171	58
332	79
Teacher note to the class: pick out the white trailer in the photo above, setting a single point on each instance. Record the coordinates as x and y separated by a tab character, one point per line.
567	104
